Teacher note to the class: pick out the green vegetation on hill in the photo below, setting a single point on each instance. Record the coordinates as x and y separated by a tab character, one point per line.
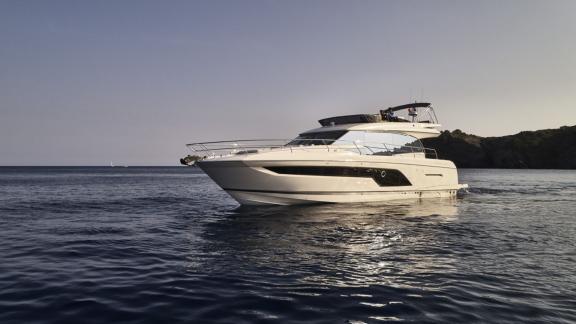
542	149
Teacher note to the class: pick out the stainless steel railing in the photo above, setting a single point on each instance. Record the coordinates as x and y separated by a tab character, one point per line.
216	149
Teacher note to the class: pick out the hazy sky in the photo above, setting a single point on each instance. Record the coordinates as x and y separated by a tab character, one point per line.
89	82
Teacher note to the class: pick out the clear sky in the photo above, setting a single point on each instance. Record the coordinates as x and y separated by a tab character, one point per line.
89	82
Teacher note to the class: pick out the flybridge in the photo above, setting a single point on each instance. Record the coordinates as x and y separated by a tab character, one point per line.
418	112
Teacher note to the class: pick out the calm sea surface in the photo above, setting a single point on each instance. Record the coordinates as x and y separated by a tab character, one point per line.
150	245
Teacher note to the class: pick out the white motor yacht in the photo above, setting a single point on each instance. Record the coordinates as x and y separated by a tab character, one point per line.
355	158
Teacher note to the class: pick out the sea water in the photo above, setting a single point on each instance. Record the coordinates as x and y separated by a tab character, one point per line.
151	245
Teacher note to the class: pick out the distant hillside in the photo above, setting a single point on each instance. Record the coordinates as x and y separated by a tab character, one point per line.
543	149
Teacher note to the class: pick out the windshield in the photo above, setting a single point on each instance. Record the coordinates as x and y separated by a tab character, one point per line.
374	142
320	138
382	142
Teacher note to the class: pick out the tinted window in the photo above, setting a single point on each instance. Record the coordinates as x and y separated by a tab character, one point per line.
320	138
383	177
381	143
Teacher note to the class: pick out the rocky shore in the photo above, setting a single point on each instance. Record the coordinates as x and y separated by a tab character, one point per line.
542	149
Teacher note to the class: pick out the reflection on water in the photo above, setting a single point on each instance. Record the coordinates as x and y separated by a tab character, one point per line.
335	244
438	260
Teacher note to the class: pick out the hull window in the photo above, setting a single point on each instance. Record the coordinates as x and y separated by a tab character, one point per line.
383	177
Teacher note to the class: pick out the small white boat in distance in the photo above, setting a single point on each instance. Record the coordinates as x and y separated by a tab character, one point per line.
356	158
123	165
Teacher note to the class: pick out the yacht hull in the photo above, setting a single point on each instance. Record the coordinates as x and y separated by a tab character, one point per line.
251	180
250	198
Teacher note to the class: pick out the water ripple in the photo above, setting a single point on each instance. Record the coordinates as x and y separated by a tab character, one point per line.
95	245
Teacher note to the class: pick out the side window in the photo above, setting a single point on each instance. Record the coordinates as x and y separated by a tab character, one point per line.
399	143
351	137
382	143
377	143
